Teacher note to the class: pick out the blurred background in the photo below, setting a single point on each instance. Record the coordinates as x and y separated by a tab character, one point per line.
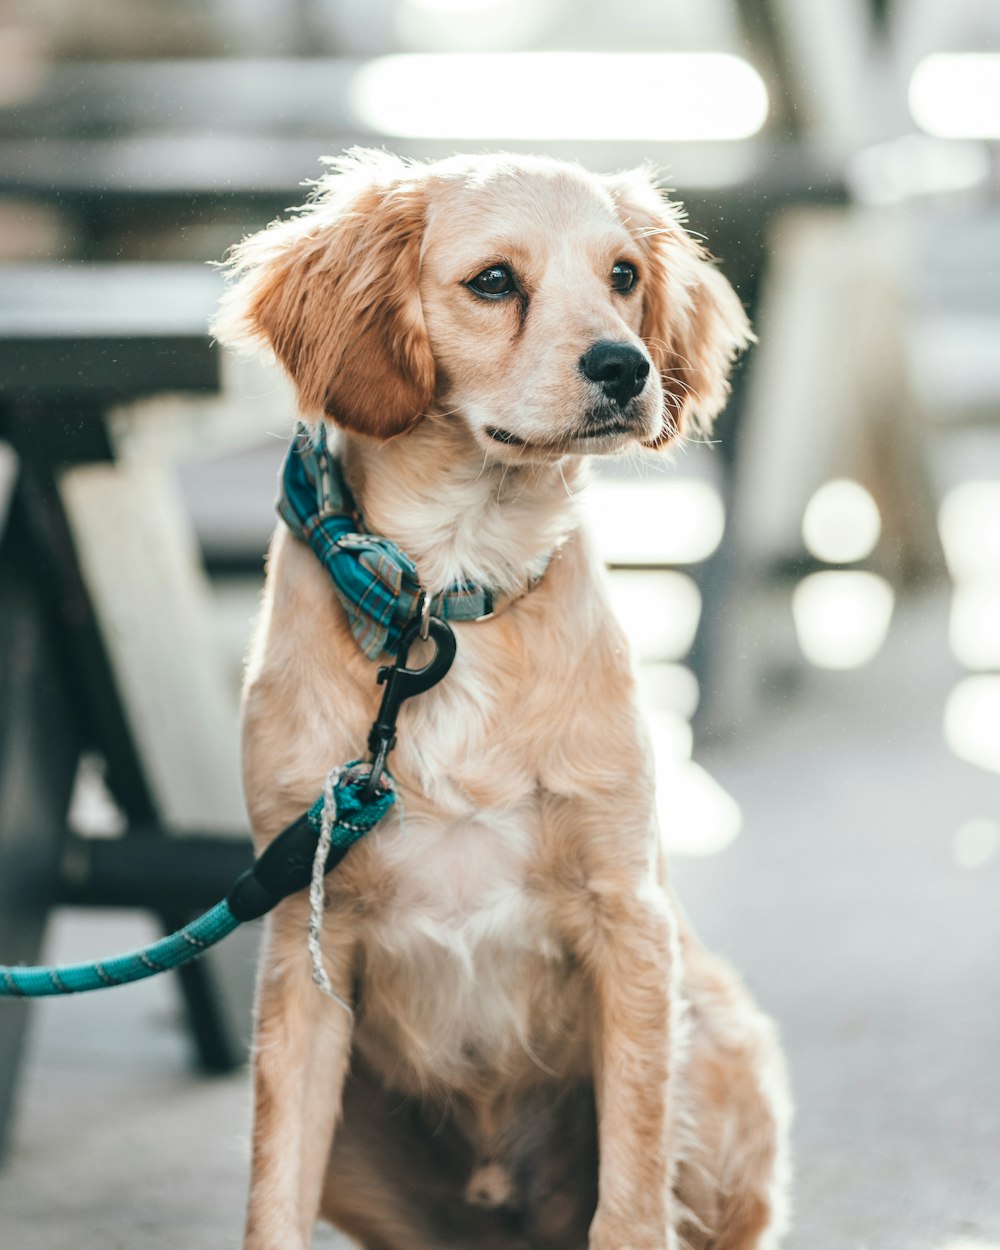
813	596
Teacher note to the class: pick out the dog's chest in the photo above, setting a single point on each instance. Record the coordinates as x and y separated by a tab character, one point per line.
460	955
455	964
468	823
456	879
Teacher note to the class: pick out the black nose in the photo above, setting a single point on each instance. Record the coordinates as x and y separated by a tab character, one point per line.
621	369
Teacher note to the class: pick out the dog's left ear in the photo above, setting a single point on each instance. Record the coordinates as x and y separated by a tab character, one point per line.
334	293
693	323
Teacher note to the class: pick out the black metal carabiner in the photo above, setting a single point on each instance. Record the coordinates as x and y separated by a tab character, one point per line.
402	683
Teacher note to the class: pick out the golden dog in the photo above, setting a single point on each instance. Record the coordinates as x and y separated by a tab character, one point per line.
541	1054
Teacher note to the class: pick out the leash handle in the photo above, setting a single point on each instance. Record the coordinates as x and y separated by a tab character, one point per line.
402	683
285	866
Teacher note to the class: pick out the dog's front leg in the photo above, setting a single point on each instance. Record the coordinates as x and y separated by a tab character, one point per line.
634	964
302	1043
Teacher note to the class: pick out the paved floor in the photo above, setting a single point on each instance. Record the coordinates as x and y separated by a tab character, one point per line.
842	901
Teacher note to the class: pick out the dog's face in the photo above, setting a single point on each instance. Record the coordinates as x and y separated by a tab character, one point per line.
532	295
552	311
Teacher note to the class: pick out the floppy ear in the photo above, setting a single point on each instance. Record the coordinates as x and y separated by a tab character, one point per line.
693	323
334	292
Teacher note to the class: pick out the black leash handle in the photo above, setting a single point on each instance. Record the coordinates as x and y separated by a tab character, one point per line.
283	868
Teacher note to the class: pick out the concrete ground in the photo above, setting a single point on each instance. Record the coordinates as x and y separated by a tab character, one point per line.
842	901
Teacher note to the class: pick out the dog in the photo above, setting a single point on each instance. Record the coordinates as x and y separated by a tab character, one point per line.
537	1053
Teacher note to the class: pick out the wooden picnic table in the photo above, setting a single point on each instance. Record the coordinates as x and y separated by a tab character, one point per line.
74	341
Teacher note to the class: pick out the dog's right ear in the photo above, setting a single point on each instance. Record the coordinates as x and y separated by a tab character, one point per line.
334	293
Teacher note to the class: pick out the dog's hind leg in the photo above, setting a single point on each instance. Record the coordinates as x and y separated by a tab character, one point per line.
301	1052
733	1173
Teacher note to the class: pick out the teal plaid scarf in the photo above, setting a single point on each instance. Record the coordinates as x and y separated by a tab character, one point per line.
375	580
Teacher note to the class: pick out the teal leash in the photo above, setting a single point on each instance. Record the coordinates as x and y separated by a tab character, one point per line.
170	952
360	797
284	868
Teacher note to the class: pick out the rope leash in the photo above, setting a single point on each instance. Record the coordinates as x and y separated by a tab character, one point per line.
317	900
342	815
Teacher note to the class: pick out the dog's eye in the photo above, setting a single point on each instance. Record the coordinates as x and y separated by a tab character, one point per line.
496	280
622	276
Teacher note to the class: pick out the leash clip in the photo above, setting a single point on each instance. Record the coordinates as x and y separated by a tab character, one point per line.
402	683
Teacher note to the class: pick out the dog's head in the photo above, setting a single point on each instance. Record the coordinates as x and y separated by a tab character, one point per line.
551	310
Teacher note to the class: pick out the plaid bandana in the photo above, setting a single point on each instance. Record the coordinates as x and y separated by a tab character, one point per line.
375	580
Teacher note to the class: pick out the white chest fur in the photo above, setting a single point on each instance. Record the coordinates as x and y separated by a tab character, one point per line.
458	881
457	964
456	961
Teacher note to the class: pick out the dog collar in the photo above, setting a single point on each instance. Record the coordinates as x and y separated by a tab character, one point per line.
376	581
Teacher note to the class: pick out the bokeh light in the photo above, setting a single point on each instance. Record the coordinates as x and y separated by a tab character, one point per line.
497	96
841	523
956	95
696	815
842	617
680	521
974	624
972	721
969	524
658	610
